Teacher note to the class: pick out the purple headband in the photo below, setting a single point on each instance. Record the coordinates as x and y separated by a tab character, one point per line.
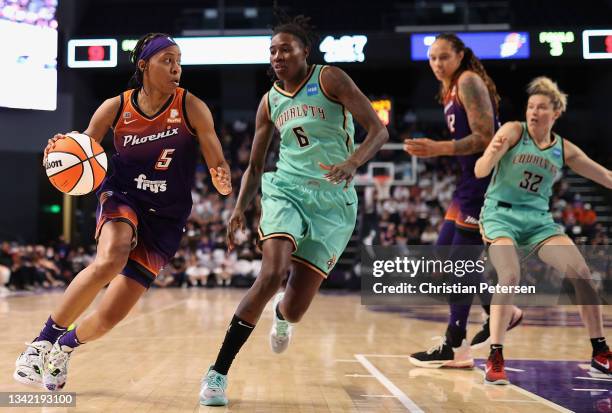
154	46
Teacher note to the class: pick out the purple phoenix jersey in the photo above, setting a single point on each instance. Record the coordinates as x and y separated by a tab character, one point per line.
470	190
154	166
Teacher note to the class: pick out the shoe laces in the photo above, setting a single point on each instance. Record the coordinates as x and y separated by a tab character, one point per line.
58	358
215	381
282	328
38	346
438	346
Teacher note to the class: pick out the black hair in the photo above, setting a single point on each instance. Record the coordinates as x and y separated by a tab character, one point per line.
299	26
469	62
136	81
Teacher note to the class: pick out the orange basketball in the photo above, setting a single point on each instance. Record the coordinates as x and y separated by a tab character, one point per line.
76	165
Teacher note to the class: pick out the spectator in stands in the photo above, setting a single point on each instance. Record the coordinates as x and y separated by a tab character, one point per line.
6	263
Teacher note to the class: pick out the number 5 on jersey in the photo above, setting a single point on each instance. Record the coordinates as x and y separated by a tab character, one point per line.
163	162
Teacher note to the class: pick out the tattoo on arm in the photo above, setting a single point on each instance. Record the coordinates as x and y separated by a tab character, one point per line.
477	103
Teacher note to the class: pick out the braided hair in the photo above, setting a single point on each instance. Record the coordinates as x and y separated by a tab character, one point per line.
299	26
469	62
136	82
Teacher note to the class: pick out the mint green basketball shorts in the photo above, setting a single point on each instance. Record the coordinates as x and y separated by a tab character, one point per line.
527	227
318	217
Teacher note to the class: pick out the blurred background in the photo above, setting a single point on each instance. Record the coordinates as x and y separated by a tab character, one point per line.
61	58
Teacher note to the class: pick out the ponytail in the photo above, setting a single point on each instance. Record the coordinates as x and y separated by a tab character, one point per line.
469	62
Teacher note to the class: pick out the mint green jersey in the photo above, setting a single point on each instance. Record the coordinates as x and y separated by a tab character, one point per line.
524	176
313	127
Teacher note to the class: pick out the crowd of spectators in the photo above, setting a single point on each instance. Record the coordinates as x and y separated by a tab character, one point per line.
389	215
412	215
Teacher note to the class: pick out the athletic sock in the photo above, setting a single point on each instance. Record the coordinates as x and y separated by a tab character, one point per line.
235	337
50	332
70	340
599	345
496	347
455	335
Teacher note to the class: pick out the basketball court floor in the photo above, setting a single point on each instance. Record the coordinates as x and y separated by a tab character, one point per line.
344	357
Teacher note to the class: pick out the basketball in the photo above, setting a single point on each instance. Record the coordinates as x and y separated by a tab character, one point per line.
76	165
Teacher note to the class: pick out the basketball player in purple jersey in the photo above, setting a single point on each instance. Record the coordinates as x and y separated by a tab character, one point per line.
470	102
144	203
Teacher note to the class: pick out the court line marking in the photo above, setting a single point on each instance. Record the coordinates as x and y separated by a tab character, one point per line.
540	399
507	368
402	356
532	396
552	405
593	378
401	396
379	395
595	390
159	310
346	361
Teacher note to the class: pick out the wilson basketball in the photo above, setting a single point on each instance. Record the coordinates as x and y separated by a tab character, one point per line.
76	165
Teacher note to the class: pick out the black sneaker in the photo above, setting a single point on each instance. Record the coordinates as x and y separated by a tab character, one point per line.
481	339
444	355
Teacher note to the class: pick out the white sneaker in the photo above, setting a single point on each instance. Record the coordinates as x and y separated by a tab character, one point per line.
31	363
280	335
212	391
54	375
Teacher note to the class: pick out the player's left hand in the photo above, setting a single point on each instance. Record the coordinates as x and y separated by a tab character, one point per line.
221	178
422	147
344	171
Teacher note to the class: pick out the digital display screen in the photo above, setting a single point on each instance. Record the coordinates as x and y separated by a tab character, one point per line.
344	49
92	53
32	64
555	44
217	50
486	45
597	44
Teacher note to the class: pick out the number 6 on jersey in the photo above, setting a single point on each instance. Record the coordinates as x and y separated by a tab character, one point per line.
163	162
301	136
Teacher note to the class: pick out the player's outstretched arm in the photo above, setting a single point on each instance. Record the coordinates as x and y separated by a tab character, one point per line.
251	179
202	121
339	86
475	98
504	139
580	163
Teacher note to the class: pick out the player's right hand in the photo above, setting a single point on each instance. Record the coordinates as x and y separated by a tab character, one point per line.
422	147
51	144
222	179
497	143
236	221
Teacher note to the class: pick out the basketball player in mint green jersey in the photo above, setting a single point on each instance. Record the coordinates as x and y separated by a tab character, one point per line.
526	157
309	204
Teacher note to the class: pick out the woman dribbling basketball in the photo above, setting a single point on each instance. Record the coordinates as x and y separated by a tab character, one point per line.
143	204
